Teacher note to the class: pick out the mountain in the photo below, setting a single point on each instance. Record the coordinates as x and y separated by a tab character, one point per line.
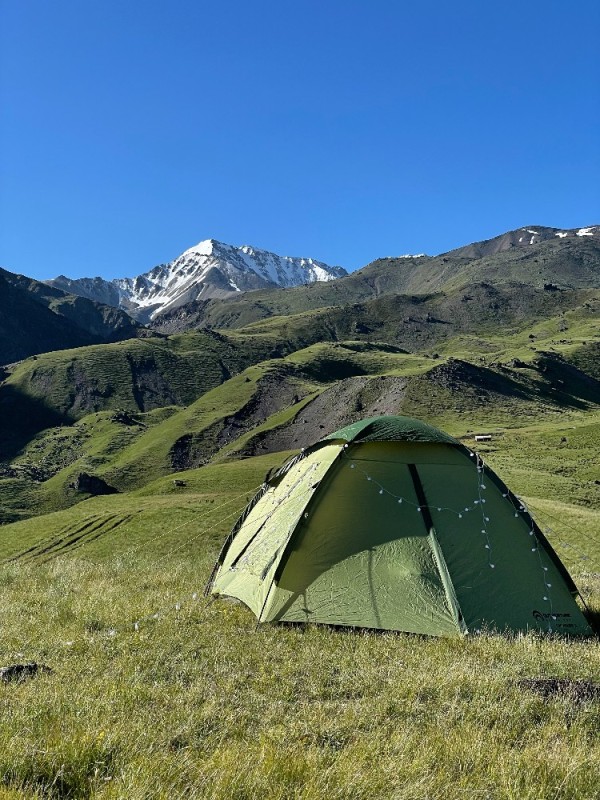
560	258
36	318
523	238
211	269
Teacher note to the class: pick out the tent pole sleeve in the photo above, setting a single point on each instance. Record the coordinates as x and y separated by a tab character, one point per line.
271	479
436	549
294	533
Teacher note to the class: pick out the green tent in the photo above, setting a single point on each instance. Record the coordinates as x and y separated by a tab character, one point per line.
390	523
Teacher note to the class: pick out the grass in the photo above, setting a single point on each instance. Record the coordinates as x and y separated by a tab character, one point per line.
196	703
128	456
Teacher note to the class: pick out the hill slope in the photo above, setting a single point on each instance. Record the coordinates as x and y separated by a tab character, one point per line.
134	411
36	318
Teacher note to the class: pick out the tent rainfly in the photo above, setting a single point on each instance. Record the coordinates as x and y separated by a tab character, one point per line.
392	524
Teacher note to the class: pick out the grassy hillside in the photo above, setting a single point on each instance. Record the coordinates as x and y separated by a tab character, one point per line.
35	318
418	323
277	404
135	375
129	449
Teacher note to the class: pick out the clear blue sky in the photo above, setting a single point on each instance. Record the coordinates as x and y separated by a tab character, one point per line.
338	129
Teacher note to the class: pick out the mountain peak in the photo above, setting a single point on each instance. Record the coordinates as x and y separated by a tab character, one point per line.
204	248
209	269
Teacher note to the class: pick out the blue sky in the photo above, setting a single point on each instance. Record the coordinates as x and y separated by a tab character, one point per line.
341	130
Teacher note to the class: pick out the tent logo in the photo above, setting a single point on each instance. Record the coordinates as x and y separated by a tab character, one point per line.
541	616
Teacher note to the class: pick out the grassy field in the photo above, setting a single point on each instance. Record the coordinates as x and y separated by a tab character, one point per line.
198	704
154	694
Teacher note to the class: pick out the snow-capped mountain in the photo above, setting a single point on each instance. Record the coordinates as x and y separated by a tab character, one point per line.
211	269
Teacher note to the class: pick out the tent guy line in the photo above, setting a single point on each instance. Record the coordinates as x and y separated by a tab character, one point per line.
182	525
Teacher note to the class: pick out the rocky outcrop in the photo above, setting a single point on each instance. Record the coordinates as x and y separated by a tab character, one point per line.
92	484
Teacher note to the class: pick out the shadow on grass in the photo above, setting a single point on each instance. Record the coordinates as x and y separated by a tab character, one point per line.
70	773
21	418
567	383
593	617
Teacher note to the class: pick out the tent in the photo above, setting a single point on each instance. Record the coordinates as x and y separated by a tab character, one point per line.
392	524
